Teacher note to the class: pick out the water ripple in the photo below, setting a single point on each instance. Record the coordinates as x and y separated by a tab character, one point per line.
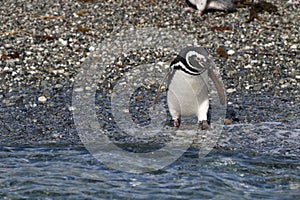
72	173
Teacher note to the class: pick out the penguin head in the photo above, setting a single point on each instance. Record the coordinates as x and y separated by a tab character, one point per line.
193	60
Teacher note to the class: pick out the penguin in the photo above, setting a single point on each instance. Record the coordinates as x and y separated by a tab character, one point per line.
187	85
202	5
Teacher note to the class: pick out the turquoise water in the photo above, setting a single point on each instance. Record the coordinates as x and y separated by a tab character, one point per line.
60	172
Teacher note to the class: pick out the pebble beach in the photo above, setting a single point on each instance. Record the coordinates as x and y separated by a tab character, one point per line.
43	45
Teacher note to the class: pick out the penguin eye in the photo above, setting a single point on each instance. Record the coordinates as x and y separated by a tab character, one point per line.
198	59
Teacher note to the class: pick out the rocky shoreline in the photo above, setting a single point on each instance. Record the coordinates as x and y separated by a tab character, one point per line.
45	43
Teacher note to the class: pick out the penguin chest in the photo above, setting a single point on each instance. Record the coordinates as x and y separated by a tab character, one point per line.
186	93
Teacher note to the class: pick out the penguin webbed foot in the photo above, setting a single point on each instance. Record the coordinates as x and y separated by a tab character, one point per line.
203	125
176	123
199	13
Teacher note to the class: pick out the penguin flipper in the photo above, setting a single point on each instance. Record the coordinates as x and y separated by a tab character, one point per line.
219	86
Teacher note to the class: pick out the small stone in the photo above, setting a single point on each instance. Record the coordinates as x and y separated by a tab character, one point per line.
60	71
46	94
291	116
248	67
227	43
72	108
231	73
139	98
230	52
247	87
88	88
92	48
227	121
63	42
231	90
5	101
78	89
42	99
7	69
44	83
119	63
58	86
28	53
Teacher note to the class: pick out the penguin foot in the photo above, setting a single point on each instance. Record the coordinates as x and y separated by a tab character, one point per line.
176	123
203	125
199	13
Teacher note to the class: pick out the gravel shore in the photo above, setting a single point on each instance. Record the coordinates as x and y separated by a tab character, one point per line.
43	45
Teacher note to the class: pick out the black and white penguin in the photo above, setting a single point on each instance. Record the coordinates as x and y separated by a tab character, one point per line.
187	93
202	5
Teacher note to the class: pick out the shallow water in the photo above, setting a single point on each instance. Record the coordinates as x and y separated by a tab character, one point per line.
60	172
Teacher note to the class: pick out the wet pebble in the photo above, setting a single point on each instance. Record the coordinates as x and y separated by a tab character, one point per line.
42	99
